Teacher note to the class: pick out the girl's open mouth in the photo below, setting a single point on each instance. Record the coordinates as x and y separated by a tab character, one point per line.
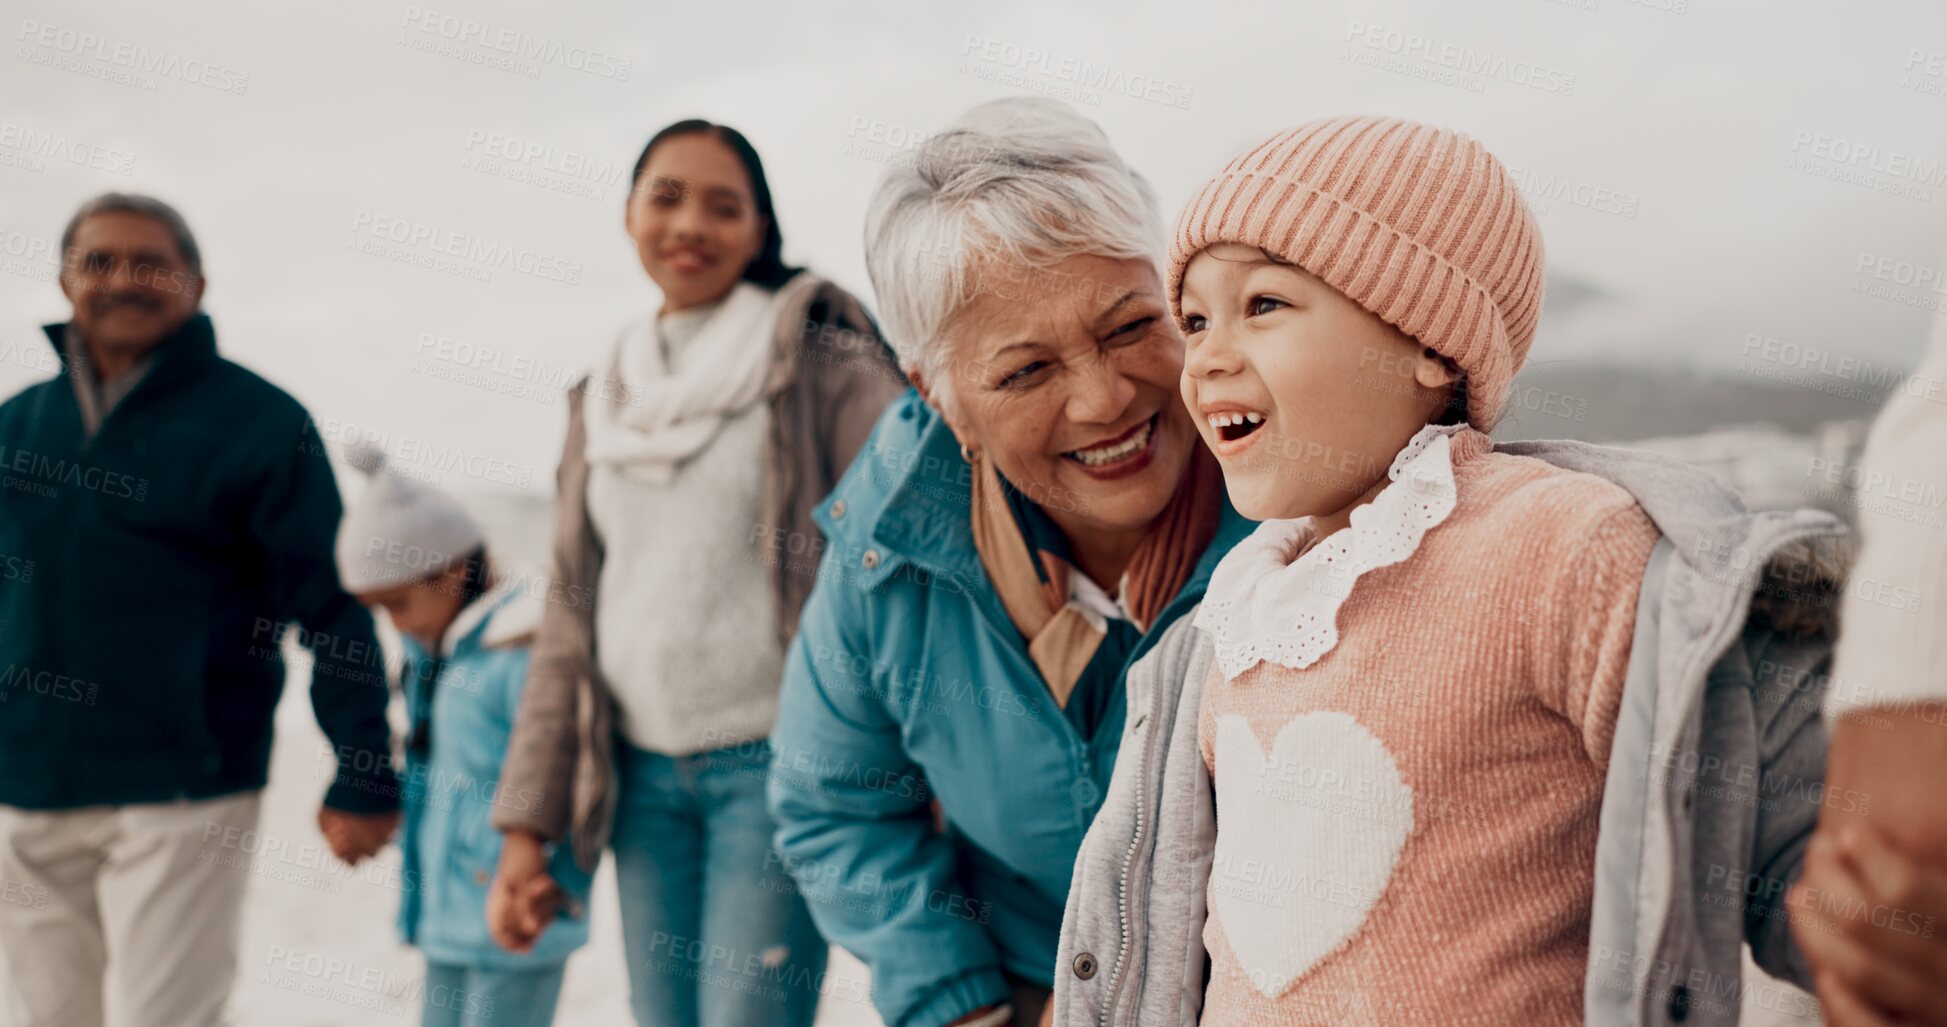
1231	425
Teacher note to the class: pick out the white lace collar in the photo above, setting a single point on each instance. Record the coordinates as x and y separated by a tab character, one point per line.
1267	603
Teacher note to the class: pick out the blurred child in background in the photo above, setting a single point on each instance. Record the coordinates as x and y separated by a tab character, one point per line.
412	551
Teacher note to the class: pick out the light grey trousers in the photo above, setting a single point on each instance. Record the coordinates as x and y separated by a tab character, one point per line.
120	916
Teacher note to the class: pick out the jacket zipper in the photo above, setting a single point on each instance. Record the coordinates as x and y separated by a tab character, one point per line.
71	530
1142	789
1135	843
1122	883
1136	838
1142	785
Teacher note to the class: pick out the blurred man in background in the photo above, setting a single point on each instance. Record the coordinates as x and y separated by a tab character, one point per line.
164	513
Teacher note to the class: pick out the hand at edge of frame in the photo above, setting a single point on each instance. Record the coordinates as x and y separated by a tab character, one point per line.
355	836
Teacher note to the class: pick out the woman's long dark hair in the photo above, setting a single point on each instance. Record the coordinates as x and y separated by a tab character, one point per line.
768	268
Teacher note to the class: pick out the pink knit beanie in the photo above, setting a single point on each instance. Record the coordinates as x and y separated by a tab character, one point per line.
1420	225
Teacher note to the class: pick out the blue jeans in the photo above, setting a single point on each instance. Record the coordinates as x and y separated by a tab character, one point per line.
464	996
714	929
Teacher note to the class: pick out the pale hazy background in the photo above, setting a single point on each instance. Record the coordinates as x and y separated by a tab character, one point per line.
1711	177
1691	119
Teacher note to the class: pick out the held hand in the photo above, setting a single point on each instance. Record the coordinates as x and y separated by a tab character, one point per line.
1869	916
523	899
1048	1012
1870	909
355	836
1884	767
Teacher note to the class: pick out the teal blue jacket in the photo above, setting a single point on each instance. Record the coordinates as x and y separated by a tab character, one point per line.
450	849
906	684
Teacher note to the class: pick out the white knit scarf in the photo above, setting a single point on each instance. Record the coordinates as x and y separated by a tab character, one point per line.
647	419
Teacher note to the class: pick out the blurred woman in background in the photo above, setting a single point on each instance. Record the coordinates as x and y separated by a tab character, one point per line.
683	550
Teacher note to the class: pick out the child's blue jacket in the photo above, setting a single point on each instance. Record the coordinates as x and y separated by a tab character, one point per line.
450	788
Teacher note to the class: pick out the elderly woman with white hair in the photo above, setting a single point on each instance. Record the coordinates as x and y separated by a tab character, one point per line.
1018	530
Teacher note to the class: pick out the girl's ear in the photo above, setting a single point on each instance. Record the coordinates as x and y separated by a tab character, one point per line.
1434	371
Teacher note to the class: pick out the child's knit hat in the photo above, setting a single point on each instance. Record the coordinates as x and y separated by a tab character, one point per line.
1420	225
399	530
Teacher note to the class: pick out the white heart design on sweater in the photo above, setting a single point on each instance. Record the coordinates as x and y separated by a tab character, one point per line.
1307	839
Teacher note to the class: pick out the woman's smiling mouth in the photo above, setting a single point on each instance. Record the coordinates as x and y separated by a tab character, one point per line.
687	259
1124	454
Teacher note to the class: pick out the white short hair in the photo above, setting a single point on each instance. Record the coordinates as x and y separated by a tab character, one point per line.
1025	179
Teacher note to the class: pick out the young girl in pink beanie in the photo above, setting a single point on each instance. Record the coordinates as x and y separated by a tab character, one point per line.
1463	734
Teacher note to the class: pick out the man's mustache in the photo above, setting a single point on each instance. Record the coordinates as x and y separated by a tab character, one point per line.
135	300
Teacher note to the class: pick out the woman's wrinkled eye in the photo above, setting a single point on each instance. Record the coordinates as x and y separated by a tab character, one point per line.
1264	305
1022	377
1131	331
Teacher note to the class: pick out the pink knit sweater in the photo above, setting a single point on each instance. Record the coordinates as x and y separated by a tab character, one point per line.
1407	825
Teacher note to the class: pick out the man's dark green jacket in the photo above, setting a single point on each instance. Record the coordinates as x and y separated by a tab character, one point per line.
147	575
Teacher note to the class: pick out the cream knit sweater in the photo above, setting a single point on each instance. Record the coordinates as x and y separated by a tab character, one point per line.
684	611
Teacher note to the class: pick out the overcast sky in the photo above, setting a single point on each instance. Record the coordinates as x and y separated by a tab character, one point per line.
1705	171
